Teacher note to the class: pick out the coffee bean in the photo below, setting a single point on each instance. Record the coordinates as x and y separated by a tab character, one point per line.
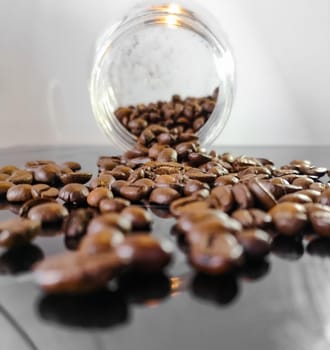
107	163
224	180
113	205
75	177
103	180
95	196
21	177
48	173
134	192
325	197
222	198
256	242
18	231
216	254
289	218
48	213
25	208
74	273
140	218
295	198
101	242
312	194
74	193
167	155
19	193
171	181
303	181
163	196
191	186
261	193
74	166
44	191
188	204
109	220
75	225
144	253
319	186
242	195
320	220
3	177
8	169
251	218
197	174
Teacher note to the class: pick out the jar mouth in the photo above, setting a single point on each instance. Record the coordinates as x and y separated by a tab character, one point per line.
104	100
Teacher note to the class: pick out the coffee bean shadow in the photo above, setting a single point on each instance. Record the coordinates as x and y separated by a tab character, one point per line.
144	288
254	270
221	290
102	309
20	259
287	248
319	247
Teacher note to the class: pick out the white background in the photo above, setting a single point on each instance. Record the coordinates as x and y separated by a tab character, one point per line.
282	50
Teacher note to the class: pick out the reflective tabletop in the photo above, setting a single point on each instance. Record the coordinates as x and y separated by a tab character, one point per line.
282	302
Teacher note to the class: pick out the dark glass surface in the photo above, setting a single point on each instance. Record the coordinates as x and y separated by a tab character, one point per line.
279	303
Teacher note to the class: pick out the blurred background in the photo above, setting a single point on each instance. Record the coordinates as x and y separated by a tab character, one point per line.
282	52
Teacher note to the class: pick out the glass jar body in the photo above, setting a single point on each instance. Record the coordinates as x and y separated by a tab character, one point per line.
154	52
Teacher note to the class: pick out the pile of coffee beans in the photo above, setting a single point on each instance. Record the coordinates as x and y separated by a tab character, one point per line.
229	210
183	115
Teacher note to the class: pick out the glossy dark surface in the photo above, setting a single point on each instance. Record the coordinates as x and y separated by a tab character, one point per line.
280	303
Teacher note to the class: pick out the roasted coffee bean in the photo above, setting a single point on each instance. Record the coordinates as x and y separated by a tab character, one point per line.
48	213
21	177
117	185
220	220
146	183
313	171
256	242
44	191
320	220
192	186
319	186
196	159
115	205
197	174
164	196
74	193
261	193
224	180
48	173
242	195
8	169
18	231
311	207
155	150
295	198
74	166
183	149
19	193
312	194
121	172
133	192
75	177
216	254
107	163
289	218
25	208
303	181
109	220
222	198
325	197
3	177
4	187
172	181
74	273
101	242
145	253
167	155
95	196
103	180
188	204
75	225
140	218
251	218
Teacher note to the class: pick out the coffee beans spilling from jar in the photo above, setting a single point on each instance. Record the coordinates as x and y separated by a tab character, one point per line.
229	210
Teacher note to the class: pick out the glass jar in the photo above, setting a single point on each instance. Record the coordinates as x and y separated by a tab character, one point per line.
156	51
